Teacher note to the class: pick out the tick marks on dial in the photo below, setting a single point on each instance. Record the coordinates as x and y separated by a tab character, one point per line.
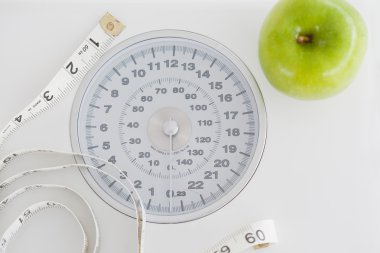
231	74
153	54
241	93
148	205
101	166
245	154
194	53
104	88
249	112
220	187
90	126
213	62
233	171
95	106
203	200
92	147
249	133
173	50
182	207
133	59
111	184
117	72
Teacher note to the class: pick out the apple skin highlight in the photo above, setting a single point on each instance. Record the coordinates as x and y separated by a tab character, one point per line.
312	49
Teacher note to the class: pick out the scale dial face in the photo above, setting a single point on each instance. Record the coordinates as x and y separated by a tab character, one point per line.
180	115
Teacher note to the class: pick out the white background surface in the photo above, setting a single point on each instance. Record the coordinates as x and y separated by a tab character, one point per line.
320	175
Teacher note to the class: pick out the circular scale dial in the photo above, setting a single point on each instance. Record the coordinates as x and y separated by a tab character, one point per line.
180	115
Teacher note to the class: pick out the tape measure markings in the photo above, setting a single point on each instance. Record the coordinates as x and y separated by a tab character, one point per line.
258	235
31	211
29	188
70	75
139	212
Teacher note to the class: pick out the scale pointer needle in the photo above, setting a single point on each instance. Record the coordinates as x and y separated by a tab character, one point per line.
170	128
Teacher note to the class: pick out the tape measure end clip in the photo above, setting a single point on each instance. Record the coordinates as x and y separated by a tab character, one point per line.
111	25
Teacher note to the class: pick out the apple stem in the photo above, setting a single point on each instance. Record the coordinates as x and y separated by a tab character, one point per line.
304	39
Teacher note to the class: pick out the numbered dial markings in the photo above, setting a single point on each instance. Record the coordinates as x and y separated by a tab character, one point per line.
178	117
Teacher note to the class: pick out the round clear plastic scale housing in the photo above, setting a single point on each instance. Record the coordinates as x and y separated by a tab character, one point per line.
180	115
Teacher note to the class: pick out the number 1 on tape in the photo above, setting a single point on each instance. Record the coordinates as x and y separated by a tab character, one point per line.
70	75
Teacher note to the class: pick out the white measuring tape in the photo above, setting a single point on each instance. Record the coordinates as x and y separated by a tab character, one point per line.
39	207
70	75
257	235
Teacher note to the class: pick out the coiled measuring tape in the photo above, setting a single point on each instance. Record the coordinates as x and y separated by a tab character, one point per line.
257	235
27	214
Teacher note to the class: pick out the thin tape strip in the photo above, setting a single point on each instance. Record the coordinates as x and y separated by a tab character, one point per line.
31	211
257	235
126	183
17	193
36	208
70	75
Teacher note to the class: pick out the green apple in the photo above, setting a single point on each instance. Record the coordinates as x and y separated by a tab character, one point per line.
311	49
